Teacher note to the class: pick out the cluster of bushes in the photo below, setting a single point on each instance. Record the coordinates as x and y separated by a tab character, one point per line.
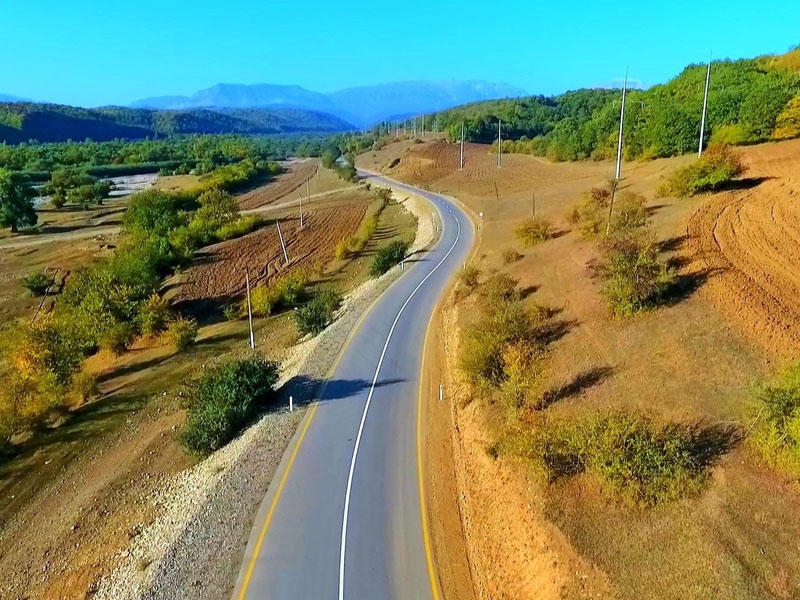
502	350
238	175
76	187
717	167
776	431
222	401
316	314
285	293
533	231
356	242
37	283
388	256
634	276
592	214
643	462
38	363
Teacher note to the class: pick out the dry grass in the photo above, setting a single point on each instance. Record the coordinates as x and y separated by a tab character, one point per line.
736	537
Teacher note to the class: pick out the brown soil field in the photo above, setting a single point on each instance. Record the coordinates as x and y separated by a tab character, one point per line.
297	173
220	274
687	361
750	238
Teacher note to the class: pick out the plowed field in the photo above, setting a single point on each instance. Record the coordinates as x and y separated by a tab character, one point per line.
749	239
220	274
297	173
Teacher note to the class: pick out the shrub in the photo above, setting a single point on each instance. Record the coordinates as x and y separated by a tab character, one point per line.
506	340
718	166
776	432
511	256
470	276
642	462
284	293
342	250
591	215
222	401
634	277
239	227
231	312
532	231
387	257
37	283
84	386
154	313
181	333
118	337
317	314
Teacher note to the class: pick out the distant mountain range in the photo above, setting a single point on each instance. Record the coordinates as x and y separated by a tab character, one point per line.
363	106
23	121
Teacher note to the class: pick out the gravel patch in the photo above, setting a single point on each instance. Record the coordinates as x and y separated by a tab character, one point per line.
193	549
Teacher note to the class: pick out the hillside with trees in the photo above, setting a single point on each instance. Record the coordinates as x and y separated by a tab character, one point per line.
750	101
25	121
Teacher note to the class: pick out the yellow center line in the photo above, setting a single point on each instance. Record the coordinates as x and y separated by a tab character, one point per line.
426	537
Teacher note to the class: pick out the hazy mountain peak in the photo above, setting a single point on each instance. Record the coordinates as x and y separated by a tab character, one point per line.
362	105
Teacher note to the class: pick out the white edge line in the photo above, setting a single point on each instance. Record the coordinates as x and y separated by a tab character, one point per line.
343	544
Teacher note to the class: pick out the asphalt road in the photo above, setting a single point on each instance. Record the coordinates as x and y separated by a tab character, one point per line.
342	518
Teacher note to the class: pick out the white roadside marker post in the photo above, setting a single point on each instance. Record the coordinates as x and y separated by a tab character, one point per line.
291	404
441	392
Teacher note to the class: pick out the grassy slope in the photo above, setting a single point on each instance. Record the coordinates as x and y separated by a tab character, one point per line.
683	362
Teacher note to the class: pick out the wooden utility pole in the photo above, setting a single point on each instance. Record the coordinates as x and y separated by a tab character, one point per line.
705	107
499	143
461	162
611	206
283	245
621	126
249	309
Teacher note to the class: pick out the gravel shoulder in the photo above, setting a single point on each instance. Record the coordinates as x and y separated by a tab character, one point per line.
193	547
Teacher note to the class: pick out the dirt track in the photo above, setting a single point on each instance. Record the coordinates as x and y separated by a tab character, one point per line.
749	241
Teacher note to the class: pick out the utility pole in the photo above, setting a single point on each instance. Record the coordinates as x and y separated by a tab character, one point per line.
621	126
249	309
283	245
705	107
423	127
461	163
301	209
499	143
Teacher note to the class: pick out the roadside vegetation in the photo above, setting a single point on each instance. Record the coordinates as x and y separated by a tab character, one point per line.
223	400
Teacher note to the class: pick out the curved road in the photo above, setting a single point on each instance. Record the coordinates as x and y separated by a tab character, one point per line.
342	518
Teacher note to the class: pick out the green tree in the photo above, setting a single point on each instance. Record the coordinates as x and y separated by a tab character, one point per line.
16	201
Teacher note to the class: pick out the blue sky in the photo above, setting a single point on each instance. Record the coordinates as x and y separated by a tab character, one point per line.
90	53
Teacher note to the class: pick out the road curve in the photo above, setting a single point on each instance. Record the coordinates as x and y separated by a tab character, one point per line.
342	518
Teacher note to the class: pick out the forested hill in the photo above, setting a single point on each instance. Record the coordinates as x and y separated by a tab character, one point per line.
24	121
749	101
